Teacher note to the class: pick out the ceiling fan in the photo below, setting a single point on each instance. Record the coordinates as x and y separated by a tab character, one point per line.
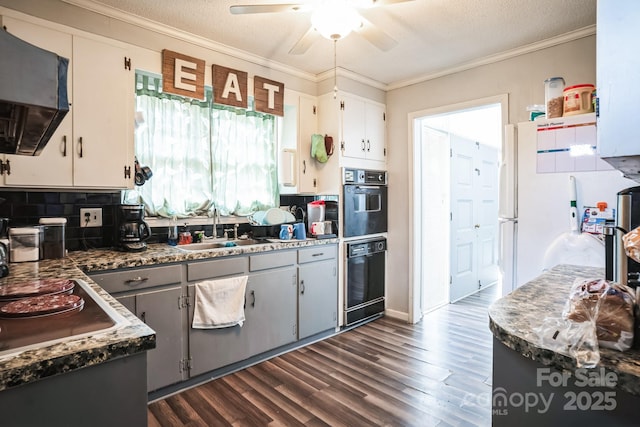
332	19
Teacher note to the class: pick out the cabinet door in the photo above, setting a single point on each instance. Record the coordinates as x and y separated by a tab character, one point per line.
102	115
211	349
161	311
318	297
375	131
271	309
53	167
617	73
308	124
353	130
129	302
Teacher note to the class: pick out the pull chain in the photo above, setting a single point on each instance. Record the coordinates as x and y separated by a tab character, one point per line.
335	67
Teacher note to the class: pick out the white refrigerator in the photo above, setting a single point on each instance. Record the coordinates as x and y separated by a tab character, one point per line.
538	159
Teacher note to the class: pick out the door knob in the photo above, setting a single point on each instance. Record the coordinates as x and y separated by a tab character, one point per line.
477	226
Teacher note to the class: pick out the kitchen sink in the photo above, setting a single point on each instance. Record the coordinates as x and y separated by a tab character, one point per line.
203	246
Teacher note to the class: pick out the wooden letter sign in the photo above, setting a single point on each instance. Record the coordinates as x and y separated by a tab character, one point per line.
182	74
229	86
269	96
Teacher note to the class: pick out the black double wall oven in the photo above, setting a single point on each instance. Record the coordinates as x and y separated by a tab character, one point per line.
365	218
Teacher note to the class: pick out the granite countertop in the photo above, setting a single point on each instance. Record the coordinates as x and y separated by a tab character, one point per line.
514	318
95	260
22	367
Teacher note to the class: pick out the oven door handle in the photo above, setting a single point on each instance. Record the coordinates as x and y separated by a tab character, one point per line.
369	187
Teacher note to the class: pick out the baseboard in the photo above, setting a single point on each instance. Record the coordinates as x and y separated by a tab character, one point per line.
397	314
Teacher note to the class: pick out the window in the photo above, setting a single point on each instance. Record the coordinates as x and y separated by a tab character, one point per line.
202	155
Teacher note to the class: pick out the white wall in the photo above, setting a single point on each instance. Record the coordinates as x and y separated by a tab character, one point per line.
521	78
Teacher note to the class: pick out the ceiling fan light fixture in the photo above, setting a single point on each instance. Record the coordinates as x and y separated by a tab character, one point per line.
335	19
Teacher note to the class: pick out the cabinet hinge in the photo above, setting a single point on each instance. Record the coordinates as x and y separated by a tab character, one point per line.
127	63
315	183
295	328
342	145
384	151
479	285
450	216
183	302
450	152
384	117
342	105
314	110
5	167
450	280
127	172
184	365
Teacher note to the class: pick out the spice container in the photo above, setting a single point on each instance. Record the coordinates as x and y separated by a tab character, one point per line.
53	242
24	244
553	96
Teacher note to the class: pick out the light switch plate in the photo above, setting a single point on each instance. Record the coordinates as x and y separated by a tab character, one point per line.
90	217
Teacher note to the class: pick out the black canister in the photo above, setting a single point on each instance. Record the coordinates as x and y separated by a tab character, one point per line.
53	241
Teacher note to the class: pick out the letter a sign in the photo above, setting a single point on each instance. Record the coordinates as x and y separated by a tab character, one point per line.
229	86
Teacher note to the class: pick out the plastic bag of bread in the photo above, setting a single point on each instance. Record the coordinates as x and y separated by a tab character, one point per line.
610	304
631	242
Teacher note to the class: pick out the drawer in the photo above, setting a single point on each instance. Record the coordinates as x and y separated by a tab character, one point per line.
216	268
318	253
271	260
138	278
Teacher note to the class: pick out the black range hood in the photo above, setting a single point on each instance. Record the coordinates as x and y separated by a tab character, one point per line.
33	95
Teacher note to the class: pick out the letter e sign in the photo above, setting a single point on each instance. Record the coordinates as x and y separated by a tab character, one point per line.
230	86
182	74
268	96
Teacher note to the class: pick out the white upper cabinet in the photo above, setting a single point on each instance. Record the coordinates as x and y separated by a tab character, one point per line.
363	129
358	127
297	169
617	88
93	146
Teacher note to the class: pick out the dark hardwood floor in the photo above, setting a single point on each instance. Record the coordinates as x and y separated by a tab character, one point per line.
384	373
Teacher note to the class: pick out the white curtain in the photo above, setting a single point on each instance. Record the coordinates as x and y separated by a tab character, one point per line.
202	155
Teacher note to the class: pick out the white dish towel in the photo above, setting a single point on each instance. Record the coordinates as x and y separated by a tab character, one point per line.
219	303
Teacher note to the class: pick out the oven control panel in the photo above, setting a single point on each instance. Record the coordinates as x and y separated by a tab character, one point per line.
363	176
363	248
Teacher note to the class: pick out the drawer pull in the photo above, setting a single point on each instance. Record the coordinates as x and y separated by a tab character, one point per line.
136	280
318	254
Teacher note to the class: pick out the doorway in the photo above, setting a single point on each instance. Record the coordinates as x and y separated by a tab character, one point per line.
436	259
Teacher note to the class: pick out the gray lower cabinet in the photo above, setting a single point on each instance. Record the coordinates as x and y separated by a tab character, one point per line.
271	310
211	349
318	290
290	295
154	295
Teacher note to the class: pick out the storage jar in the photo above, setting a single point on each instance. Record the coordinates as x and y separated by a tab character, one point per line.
24	244
553	88
53	242
578	99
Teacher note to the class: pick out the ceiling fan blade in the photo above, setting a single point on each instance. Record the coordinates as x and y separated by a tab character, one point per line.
243	9
305	42
376	36
375	3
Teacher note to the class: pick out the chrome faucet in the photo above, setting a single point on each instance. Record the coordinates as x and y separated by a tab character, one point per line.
216	221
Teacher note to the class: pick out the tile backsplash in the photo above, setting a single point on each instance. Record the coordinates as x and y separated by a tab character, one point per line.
24	208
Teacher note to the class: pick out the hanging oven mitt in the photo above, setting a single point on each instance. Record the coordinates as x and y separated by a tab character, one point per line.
318	150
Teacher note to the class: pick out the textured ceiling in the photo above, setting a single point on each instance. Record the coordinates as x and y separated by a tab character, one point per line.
432	35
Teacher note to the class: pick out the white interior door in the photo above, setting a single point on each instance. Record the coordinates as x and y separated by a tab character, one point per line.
463	226
474	217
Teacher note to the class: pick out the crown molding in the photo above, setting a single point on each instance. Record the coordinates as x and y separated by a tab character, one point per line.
182	35
522	50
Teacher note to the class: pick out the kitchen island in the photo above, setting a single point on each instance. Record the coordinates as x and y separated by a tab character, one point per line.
538	384
83	379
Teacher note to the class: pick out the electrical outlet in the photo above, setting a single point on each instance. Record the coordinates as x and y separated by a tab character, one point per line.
91	217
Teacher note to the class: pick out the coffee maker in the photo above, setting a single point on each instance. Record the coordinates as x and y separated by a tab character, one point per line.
619	267
131	230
